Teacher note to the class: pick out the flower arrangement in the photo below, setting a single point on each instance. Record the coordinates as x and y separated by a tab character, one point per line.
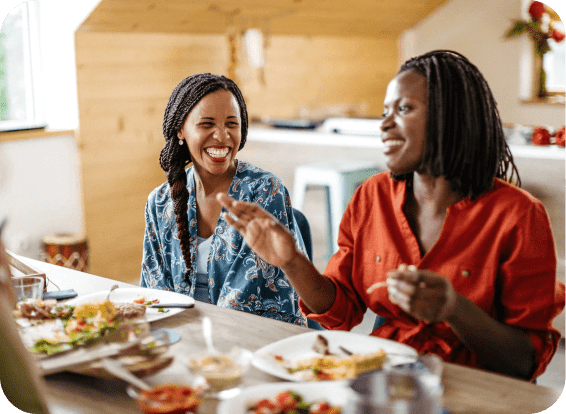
540	28
542	136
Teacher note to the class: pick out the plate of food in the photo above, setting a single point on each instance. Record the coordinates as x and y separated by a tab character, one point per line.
139	299
284	397
66	337
330	355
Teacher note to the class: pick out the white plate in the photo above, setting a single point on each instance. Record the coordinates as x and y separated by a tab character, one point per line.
300	347
129	294
333	392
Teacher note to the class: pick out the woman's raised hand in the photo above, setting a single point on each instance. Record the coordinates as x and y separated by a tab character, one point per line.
262	232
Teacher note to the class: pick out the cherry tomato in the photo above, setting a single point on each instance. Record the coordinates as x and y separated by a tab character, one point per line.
319	408
286	400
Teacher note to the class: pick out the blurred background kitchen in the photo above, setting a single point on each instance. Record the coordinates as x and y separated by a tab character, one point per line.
88	82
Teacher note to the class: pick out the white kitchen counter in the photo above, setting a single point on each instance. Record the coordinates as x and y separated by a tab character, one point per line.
319	137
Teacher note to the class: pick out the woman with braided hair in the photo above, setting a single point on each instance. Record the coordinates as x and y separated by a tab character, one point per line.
188	246
458	261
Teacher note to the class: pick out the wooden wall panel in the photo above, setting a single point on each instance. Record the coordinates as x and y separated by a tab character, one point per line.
124	81
317	72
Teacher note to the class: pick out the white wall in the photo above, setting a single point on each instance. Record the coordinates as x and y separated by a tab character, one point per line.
58	20
477	29
40	191
40	184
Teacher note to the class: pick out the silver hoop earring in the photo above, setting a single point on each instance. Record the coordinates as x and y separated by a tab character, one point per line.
181	142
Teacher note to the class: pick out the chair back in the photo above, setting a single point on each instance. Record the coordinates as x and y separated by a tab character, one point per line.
305	230
379	320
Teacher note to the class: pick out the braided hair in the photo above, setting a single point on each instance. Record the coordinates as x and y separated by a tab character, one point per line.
175	157
464	138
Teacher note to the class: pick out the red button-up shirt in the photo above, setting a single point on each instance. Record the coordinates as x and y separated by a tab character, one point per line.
498	251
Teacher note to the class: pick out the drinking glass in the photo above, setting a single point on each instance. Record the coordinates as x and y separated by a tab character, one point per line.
28	287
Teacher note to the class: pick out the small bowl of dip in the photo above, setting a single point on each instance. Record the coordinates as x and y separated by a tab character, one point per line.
222	371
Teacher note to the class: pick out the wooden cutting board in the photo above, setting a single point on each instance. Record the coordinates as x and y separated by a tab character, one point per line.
138	365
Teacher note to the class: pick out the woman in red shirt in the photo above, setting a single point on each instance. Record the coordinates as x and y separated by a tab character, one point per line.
458	261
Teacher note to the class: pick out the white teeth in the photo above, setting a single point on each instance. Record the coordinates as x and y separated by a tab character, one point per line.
393	142
217	152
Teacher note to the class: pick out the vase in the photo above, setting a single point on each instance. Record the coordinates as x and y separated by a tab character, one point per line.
540	78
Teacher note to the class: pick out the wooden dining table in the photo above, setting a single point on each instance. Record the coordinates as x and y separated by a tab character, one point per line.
466	390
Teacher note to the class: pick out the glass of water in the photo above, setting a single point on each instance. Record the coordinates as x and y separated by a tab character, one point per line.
28	287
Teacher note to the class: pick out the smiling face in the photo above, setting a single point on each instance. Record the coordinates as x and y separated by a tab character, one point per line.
403	130
213	134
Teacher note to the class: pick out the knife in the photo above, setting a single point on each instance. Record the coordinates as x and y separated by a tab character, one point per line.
172	305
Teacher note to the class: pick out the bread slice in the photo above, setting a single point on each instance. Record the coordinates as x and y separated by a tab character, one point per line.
331	367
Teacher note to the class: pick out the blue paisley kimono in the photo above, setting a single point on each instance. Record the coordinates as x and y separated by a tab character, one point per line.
237	277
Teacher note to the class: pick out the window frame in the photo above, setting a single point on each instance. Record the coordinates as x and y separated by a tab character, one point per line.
554	91
34	98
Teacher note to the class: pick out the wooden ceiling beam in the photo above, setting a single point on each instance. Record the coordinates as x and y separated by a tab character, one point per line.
373	18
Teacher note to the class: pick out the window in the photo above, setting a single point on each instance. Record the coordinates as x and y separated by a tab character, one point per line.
554	64
20	89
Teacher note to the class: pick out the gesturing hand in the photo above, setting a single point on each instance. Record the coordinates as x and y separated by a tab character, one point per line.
261	231
424	294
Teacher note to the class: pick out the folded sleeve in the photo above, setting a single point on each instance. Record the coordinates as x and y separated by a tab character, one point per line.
531	296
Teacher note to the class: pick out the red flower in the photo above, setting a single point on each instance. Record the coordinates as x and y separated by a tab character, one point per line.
541	136
559	137
556	35
536	10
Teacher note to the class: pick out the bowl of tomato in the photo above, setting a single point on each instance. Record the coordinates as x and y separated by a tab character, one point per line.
169	398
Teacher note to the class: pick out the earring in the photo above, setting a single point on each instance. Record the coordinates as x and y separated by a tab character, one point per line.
181	142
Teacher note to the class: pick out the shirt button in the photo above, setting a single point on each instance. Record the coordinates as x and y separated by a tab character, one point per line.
465	273
378	259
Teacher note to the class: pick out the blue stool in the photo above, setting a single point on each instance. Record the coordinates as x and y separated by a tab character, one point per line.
340	179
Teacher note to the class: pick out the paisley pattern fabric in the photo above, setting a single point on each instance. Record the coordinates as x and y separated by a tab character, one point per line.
237	277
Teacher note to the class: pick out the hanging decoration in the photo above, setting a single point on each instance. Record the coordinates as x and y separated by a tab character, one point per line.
540	28
233	54
255	46
243	26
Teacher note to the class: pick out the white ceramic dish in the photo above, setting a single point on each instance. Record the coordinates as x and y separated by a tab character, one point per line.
129	294
333	392
301	347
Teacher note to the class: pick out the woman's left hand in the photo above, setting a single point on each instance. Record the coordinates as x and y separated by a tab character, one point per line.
423	294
